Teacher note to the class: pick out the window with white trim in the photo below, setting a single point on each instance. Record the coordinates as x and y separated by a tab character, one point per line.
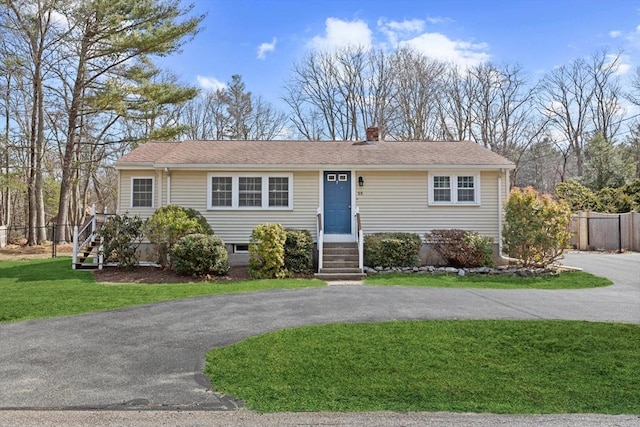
454	189
278	191
250	191
142	192
441	188
221	191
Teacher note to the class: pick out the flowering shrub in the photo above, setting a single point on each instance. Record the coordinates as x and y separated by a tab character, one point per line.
536	227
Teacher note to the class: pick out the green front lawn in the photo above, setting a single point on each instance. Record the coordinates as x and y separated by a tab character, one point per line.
49	287
572	280
527	367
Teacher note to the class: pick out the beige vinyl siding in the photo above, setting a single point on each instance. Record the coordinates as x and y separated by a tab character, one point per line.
388	201
398	201
189	189
124	193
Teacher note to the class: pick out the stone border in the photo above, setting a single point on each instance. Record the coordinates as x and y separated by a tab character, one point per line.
551	270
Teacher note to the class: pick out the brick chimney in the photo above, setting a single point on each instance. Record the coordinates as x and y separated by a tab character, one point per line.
372	134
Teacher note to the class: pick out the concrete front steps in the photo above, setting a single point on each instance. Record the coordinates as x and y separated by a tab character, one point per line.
340	262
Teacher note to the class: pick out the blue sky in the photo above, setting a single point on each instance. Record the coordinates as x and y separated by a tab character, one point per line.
262	39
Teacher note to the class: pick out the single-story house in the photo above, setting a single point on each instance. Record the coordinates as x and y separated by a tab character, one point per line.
336	190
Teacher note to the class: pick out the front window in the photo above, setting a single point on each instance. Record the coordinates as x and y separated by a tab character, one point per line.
279	191
466	189
250	191
454	189
221	191
142	193
441	189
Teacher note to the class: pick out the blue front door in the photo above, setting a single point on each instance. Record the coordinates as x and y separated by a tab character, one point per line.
337	202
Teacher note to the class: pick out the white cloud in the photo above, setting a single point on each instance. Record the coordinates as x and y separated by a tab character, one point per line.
210	83
410	33
264	48
410	26
623	65
615	34
634	38
439	46
439	20
340	34
395	30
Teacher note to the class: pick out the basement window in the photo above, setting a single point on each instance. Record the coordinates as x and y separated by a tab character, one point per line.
241	249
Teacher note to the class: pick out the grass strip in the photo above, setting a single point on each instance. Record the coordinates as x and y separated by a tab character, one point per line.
567	280
524	367
46	288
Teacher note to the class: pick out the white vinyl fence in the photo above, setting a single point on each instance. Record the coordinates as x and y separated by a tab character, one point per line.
609	232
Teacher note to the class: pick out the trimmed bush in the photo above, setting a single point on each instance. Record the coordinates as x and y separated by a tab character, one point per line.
632	190
462	248
266	251
121	236
578	197
615	200
392	250
170	223
612	200
298	251
536	227
200	254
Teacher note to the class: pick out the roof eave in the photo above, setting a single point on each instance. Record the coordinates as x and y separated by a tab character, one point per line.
320	166
134	165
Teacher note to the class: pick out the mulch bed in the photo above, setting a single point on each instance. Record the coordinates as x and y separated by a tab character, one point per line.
160	275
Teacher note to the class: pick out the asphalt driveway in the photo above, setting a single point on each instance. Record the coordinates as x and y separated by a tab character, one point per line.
152	356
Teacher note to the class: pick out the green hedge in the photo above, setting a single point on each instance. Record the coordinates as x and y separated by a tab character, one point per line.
200	254
462	248
266	251
298	251
392	250
121	236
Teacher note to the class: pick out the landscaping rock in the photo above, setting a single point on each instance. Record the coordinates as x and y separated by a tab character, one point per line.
437	271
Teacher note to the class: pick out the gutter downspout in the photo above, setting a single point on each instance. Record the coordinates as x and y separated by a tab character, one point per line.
166	170
500	212
500	173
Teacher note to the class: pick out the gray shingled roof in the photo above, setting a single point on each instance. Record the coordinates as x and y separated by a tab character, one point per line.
307	155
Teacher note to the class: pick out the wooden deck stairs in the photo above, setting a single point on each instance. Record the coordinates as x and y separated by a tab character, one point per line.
87	244
88	256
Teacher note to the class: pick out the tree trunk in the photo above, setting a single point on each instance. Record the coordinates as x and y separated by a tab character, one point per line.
41	230
33	159
6	220
68	160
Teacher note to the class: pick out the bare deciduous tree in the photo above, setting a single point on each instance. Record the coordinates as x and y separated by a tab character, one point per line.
565	100
231	113
418	91
605	108
336	95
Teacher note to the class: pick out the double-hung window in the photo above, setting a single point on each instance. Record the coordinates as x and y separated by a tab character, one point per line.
279	191
142	192
442	188
249	191
221	191
454	189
